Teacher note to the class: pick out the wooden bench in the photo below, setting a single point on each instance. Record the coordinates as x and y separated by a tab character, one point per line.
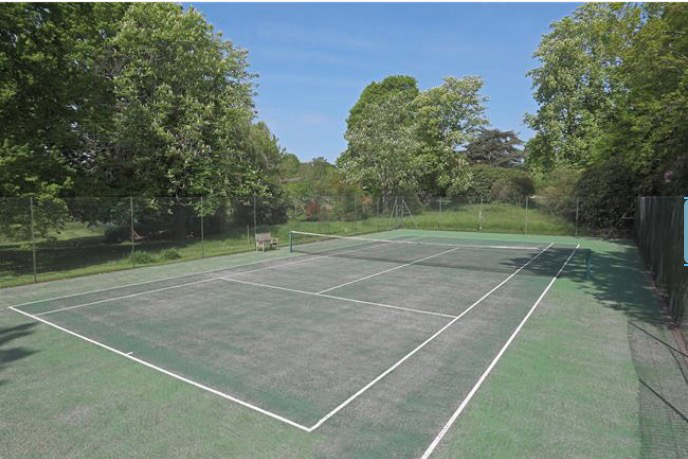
265	241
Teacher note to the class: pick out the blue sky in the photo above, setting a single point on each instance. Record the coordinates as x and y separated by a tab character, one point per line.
314	59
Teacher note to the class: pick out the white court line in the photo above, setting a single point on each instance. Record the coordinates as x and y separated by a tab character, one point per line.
387	270
423	344
305	292
66	308
168	373
482	378
313	257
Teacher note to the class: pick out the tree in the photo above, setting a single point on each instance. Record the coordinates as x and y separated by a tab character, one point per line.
495	148
447	117
651	132
48	88
401	140
612	84
382	148
396	86
577	87
180	119
180	122
290	166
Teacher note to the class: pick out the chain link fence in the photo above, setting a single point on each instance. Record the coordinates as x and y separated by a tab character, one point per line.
658	232
49	238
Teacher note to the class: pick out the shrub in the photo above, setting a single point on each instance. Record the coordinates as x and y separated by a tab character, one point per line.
312	210
558	192
141	258
607	196
116	233
500	183
170	254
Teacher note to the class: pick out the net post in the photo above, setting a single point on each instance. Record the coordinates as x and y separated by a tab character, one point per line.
33	240
202	234
525	228
291	241
131	227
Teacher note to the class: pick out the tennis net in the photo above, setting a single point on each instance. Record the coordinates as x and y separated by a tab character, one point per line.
426	251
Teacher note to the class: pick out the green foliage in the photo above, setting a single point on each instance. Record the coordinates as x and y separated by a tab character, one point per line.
115	233
498	183
382	148
181	124
451	114
290	166
126	99
49	91
558	192
495	148
651	130
576	86
404	87
141	258
447	117
317	178
170	254
613	82
607	193
401	140
560	183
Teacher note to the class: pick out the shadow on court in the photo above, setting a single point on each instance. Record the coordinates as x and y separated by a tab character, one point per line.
619	281
12	354
479	259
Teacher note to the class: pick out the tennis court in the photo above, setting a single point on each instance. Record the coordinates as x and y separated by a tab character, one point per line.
394	332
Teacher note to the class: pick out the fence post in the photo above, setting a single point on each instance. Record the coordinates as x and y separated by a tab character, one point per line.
355	214
440	217
480	215
577	202
525	230
202	233
33	240
131	222
255	219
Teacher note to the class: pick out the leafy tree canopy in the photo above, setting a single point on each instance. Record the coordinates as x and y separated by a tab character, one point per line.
401	139
496	148
613	82
127	99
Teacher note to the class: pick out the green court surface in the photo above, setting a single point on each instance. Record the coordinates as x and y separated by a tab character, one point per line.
408	344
